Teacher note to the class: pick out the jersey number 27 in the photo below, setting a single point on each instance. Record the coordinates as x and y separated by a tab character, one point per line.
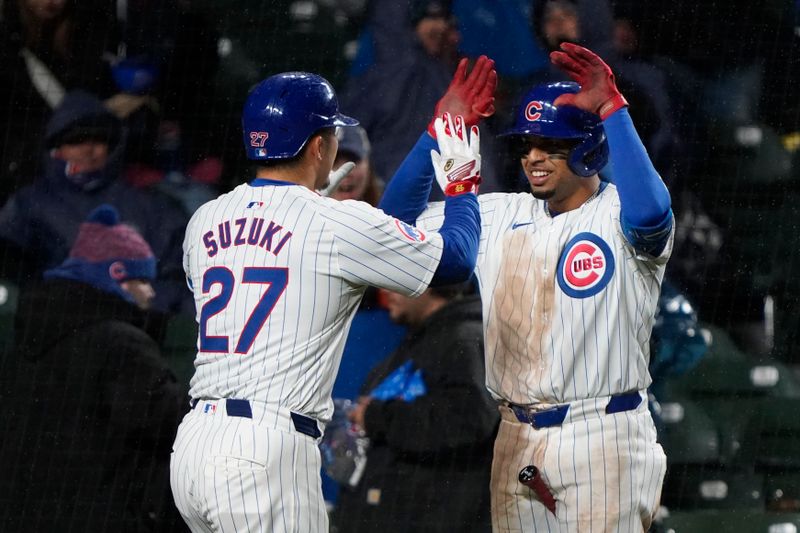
276	280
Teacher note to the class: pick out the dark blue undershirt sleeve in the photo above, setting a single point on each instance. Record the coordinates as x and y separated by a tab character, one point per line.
461	232
407	192
644	199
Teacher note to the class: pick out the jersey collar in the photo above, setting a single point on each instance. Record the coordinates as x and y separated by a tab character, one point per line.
263	182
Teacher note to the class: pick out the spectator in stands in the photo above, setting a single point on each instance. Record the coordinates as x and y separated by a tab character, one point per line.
415	46
414	61
361	183
90	407
154	77
165	75
84	145
430	423
585	22
46	49
592	24
502	31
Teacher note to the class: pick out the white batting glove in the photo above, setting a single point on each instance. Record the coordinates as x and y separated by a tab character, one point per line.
336	177
458	162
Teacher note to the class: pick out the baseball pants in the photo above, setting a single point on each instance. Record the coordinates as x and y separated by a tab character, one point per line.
237	474
604	470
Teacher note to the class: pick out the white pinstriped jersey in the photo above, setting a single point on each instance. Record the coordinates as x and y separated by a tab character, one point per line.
568	304
277	273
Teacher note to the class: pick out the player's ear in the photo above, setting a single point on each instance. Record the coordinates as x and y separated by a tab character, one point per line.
317	146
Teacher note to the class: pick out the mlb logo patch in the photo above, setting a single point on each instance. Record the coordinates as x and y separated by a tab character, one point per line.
255	204
410	232
210	408
261	152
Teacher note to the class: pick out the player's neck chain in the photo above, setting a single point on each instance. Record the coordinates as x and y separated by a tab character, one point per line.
591	197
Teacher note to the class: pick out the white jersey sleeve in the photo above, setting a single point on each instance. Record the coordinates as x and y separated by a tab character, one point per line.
375	249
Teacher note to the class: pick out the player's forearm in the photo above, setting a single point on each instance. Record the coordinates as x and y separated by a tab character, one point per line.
407	192
461	233
645	200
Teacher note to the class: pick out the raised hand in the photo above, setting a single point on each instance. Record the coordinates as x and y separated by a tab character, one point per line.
458	162
469	95
599	93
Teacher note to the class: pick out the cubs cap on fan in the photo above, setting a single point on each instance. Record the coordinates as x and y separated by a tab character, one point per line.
106	253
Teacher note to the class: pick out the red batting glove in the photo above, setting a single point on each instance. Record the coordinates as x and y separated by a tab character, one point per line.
599	93
470	96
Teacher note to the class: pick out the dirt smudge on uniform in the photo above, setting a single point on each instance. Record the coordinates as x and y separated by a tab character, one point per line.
520	319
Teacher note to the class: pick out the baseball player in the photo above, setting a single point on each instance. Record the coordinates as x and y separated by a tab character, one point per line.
570	276
277	271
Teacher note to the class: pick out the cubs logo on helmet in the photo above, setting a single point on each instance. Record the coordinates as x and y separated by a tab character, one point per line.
586	266
532	110
538	115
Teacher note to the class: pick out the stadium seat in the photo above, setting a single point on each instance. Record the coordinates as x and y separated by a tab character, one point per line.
180	346
689	487
782	491
772	438
728	372
689	436
730	521
731	415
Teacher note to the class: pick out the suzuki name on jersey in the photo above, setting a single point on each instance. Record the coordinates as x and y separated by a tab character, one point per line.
270	236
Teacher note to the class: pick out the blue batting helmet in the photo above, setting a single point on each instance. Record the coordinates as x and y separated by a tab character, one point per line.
283	111
539	117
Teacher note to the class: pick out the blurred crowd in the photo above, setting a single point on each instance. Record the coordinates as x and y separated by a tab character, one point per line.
136	105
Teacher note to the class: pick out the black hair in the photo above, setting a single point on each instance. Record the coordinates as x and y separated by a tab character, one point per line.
420	9
540	9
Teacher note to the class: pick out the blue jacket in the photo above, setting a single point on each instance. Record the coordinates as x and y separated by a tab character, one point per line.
41	220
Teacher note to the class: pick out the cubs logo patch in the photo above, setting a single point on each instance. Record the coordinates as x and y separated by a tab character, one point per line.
532	111
586	266
410	232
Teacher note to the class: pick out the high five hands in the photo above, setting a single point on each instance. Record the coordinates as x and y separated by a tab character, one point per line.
599	93
470	96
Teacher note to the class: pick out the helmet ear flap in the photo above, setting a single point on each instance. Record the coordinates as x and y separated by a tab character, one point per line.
591	155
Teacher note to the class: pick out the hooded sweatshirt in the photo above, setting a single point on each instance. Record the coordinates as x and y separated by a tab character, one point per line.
42	220
90	412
